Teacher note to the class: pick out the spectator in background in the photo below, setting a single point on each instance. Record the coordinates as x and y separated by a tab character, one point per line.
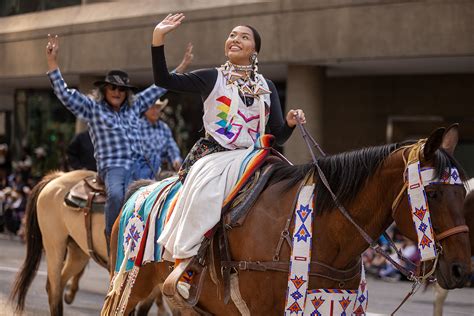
39	165
23	165
14	210
80	152
157	140
5	164
113	115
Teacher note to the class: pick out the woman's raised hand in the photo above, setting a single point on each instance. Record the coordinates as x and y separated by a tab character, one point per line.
52	49
168	24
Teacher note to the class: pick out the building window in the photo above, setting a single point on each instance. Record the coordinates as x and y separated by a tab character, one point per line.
41	121
14	7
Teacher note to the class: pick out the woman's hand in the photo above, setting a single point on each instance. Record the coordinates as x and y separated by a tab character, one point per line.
187	59
168	24
293	116
52	49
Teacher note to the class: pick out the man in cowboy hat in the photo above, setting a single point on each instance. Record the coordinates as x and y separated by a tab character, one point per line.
113	115
158	142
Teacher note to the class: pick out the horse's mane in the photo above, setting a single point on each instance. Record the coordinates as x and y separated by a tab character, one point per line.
135	186
347	172
51	175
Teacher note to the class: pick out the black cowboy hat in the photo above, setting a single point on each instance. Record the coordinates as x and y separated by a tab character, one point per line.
116	77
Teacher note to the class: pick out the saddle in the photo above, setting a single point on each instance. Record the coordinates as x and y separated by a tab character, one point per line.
89	192
233	215
88	195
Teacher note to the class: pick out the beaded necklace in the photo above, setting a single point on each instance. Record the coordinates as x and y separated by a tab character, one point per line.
248	83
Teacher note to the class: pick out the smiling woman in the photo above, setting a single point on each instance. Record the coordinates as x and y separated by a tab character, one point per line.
240	105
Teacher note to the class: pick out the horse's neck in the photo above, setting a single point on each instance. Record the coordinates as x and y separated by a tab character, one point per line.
339	241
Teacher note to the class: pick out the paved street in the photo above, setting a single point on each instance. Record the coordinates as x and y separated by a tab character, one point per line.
383	296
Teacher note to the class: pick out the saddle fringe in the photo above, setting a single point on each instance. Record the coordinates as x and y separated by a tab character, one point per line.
236	296
113	296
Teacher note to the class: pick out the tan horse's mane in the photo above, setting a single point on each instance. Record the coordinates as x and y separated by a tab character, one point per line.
53	174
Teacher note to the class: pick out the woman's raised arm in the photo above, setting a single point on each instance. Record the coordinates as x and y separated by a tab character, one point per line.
199	81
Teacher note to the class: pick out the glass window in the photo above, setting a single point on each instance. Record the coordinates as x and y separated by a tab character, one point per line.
13	7
43	123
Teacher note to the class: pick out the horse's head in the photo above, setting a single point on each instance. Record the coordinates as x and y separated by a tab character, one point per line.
444	196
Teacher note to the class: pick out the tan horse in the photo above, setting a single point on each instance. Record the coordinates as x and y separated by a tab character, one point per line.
59	230
367	182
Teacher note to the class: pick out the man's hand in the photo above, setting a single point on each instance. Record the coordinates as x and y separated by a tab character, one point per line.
187	59
52	49
168	24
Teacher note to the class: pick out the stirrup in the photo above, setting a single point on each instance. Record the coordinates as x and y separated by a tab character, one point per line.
170	286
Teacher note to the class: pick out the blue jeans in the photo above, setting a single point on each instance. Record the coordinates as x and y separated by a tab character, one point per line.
116	181
142	169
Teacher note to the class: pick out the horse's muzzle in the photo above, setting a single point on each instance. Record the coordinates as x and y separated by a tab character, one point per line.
455	276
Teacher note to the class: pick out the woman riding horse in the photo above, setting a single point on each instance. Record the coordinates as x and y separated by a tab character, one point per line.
370	183
238	104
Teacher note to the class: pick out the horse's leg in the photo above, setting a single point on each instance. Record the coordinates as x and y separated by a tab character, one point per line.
440	297
74	266
72	287
148	278
55	253
55	240
145	305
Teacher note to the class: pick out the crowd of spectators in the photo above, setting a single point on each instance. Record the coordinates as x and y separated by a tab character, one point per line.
16	181
377	266
17	178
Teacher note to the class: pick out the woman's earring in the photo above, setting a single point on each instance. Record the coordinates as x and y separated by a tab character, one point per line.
253	58
254	61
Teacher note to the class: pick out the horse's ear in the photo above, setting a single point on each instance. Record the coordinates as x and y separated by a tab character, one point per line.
451	138
433	143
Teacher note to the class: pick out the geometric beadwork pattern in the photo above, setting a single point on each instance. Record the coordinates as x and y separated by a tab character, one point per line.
300	254
420	211
223	122
132	235
330	302
449	176
302	234
300	300
362	299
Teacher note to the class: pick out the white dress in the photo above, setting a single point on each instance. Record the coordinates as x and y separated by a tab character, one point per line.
234	126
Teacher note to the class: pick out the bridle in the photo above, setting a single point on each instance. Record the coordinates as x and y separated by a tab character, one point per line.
396	203
412	271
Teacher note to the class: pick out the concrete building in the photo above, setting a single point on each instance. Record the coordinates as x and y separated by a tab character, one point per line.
365	71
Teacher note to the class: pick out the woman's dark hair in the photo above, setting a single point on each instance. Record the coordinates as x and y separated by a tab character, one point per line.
256	36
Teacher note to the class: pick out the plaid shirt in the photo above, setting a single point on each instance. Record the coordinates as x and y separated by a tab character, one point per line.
158	140
115	135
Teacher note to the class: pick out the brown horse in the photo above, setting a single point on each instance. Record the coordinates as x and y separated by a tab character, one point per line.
59	230
440	293
366	181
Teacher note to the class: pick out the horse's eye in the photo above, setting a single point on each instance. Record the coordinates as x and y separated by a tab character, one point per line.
432	194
